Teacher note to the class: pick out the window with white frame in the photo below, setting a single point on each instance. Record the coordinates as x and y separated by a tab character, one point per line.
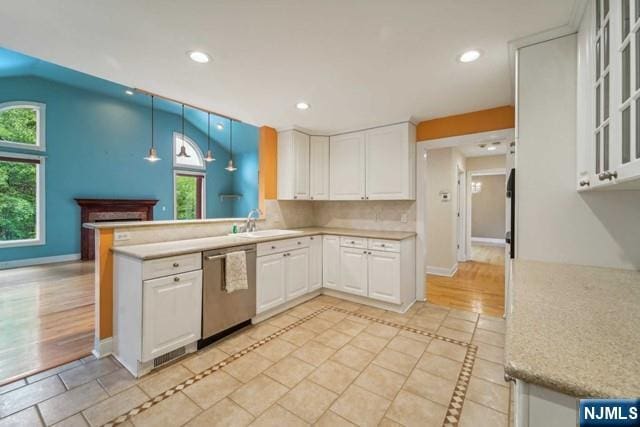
188	183
602	84
630	84
21	200
186	153
22	125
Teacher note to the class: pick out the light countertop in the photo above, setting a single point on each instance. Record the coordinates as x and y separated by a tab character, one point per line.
575	329
179	247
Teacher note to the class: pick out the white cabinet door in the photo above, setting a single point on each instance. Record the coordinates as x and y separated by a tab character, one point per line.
171	313
301	168
384	276
270	281
347	167
296	271
331	262
389	163
293	165
319	167
353	271
315	262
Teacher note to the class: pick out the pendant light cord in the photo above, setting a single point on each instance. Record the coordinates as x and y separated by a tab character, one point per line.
208	132
183	135
231	139
152	127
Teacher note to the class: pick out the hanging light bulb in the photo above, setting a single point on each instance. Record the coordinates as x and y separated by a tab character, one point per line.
183	149
209	157
153	154
230	166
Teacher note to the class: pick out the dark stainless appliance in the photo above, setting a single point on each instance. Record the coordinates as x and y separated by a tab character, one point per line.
510	238
221	311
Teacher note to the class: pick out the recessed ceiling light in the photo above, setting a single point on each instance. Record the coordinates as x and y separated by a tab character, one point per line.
469	56
302	106
128	92
492	147
219	126
199	57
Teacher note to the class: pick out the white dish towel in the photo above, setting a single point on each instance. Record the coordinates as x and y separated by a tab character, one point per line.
236	272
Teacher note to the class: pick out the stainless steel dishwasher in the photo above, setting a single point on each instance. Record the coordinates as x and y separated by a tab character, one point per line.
222	311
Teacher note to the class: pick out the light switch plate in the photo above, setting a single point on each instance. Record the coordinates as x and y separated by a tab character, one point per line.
121	235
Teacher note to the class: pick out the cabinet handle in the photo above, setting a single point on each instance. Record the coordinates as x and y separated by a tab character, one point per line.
383	245
311	197
364	252
299	243
176	279
362	197
584	182
273	247
367	197
311	238
295	197
176	265
607	175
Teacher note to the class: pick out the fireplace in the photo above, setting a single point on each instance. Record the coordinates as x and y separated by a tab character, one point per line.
109	210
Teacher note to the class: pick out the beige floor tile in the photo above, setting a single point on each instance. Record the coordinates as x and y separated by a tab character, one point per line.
369	342
289	371
332	316
204	359
430	313
447	349
308	401
353	357
333	339
475	415
488	337
259	394
282	320
386	422
459	324
173	411
314	353
411	410
27	417
117	381
276	349
382	331
454	334
371	311
407	346
491	353
114	406
398	318
12	386
358	319
317	325
424	323
75	400
429	386
493	324
300	311
235	343
277	416
212	389
19	399
247	367
489	371
440	366
331	419
488	394
87	372
261	331
464	315
415	336
298	336
395	361
46	374
380	381
349	327
360	406
225	413
164	380
78	420
333	376
348	305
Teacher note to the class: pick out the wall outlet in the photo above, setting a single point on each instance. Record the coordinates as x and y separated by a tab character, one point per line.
121	235
403	218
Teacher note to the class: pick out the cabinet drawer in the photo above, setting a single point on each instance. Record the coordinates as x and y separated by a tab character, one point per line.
278	246
171	265
384	245
353	242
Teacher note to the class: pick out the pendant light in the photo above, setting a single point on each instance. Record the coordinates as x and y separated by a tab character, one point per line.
183	149
153	154
230	167
209	157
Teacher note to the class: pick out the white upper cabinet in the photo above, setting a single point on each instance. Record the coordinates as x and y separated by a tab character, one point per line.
347	166
608	98
319	167
390	160
293	165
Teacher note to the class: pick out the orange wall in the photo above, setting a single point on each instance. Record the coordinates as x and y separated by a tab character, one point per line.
268	178
463	124
104	275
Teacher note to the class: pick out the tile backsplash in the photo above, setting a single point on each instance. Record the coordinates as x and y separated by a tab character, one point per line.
367	215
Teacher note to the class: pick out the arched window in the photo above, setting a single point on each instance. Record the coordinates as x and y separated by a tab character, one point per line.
194	158
22	125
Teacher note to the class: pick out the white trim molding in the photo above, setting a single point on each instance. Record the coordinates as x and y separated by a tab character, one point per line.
102	348
488	241
40	109
442	271
177	138
38	261
203	196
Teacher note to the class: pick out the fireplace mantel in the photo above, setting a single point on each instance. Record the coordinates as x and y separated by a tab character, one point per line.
107	210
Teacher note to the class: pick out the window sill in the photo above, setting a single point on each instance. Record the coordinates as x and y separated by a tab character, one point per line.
20	243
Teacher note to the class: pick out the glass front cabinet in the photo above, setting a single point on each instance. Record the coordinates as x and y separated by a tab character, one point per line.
608	91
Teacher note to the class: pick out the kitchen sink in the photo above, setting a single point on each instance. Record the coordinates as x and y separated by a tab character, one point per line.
266	233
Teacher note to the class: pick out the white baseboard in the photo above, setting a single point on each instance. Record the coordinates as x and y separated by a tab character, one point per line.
102	348
37	261
441	271
488	241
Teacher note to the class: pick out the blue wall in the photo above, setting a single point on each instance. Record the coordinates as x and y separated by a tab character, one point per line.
95	146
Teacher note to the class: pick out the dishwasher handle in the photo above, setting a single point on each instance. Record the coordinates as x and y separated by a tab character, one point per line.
214	257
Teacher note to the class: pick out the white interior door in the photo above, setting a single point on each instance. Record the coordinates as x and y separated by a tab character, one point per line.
461	233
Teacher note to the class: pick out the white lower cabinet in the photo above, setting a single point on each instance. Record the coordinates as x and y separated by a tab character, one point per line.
331	262
384	276
315	262
270	281
296	272
169	317
353	271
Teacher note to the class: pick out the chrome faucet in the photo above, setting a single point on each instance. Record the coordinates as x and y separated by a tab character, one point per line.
250	225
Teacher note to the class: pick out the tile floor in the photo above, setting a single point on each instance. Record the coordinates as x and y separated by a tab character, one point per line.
347	364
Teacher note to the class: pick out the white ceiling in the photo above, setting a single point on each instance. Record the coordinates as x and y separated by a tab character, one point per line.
474	150
357	62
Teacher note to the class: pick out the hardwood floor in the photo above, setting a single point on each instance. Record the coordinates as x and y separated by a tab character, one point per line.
477	286
46	317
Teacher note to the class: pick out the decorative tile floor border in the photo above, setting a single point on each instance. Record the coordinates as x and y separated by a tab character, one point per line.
452	417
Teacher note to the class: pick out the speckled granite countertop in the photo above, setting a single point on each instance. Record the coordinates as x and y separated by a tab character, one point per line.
575	329
179	247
